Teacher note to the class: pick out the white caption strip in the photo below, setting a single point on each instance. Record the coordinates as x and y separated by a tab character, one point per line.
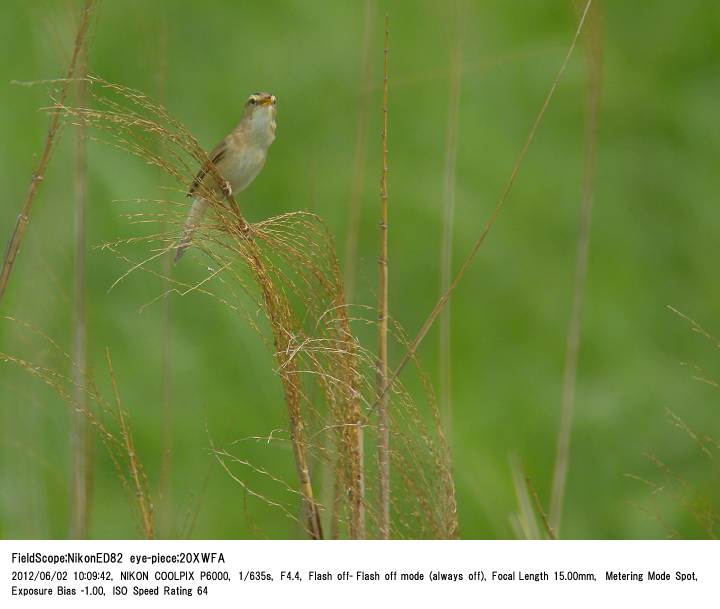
354	574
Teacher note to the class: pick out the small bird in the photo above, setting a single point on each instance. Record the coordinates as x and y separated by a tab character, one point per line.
239	157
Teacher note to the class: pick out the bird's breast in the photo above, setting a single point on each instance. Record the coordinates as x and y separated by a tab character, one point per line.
243	167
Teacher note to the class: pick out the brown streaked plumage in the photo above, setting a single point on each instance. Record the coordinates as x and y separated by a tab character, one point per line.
239	157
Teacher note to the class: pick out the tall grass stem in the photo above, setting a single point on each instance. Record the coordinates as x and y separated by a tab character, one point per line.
593	55
382	365
80	433
358	168
447	224
443	300
38	175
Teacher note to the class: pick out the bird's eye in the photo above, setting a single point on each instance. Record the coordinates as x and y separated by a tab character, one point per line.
252	100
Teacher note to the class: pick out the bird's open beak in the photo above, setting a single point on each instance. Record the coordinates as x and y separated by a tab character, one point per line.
267	101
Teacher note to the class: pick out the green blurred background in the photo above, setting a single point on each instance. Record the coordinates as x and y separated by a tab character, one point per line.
654	243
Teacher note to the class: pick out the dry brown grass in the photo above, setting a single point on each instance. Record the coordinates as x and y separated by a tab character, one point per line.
671	490
283	279
109	420
38	175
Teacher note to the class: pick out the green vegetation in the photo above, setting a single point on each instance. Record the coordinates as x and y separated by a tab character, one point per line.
653	244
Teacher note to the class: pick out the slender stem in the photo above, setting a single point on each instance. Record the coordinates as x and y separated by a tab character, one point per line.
352	442
80	432
443	300
291	389
276	305
18	234
594	65
351	237
164	487
136	472
538	506
447	231
382	361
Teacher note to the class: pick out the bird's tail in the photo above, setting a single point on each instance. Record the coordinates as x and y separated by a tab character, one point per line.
194	217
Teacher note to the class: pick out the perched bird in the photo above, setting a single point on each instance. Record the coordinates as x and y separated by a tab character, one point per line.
239	157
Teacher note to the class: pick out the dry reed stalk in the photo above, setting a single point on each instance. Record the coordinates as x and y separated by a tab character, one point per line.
80	436
292	395
120	447
358	172
23	218
349	414
164	487
443	300
356	451
137	474
382	365
593	55
448	214
538	506
131	132
351	241
278	311
288	268
428	493
328	360
280	317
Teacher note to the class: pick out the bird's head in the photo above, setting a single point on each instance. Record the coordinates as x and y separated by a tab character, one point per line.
260	113
258	101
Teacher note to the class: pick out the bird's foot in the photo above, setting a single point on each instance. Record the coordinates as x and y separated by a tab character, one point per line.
227	189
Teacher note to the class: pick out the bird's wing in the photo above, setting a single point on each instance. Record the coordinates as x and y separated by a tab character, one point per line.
216	156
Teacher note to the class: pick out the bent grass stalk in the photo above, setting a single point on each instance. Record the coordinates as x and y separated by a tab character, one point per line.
286	266
23	218
110	421
539	507
137	473
443	300
278	311
275	304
